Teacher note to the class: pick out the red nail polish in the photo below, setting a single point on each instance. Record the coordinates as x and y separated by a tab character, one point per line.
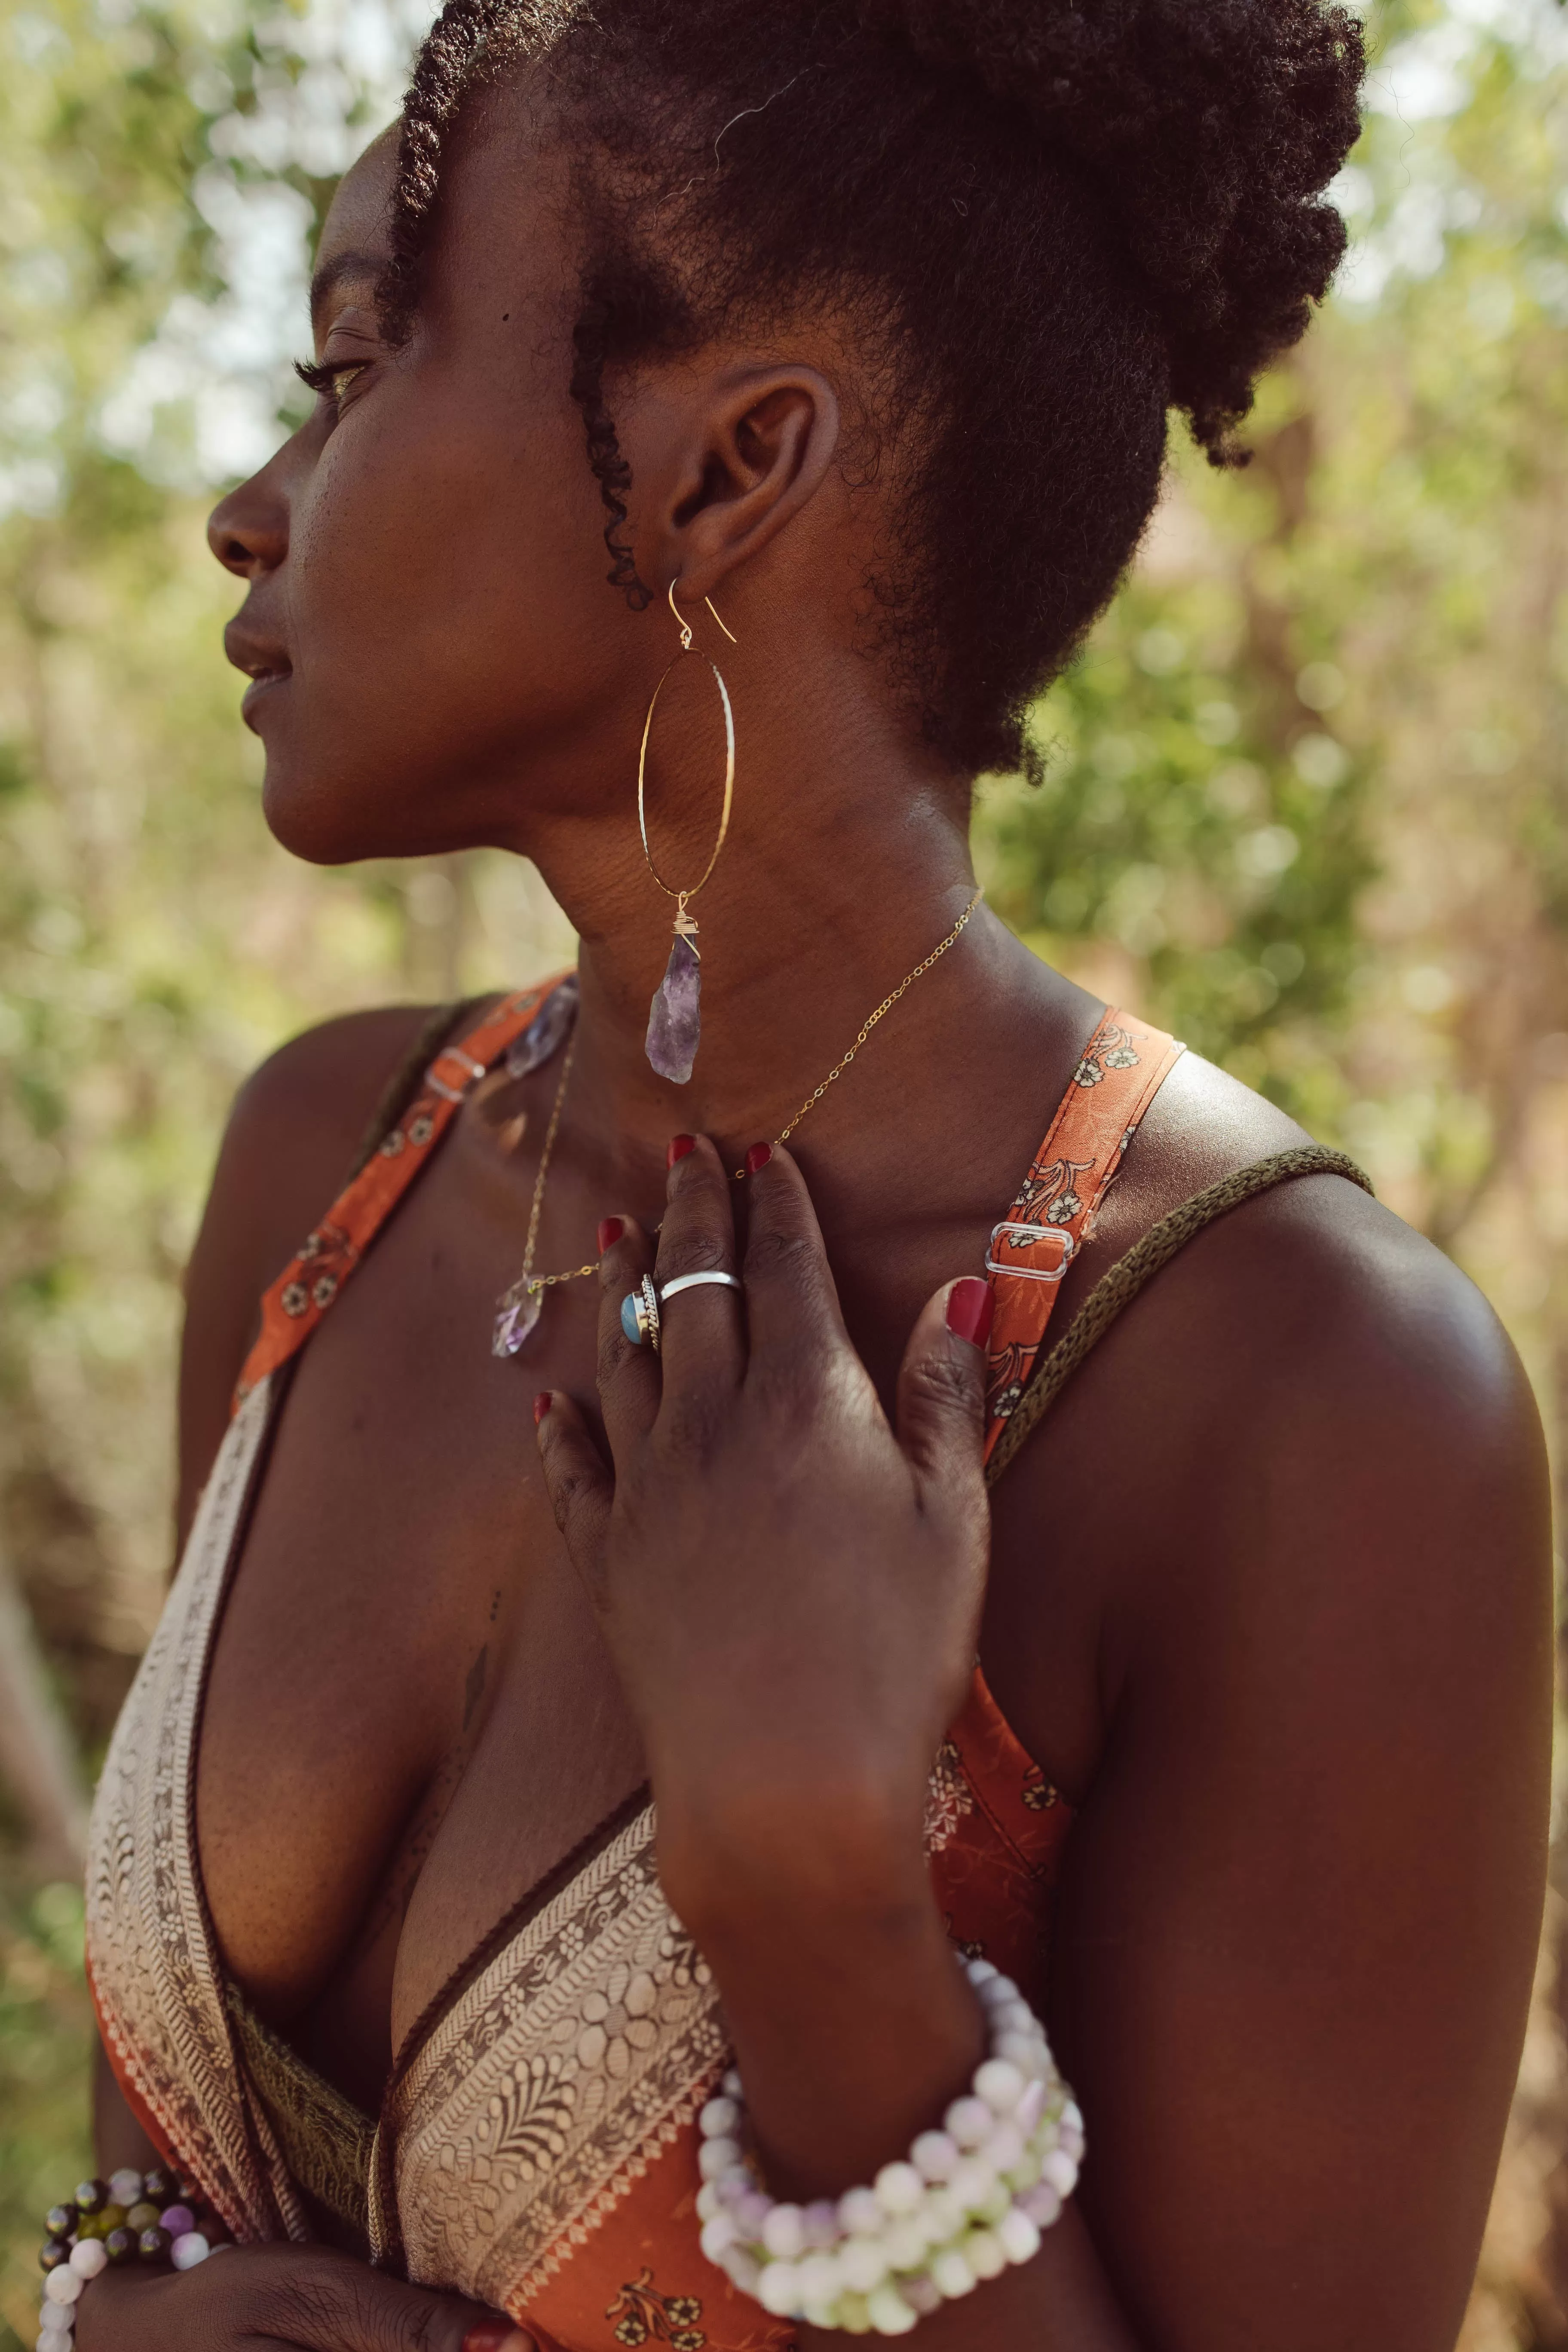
541	1406
969	1305
610	1232
758	1157
492	2336
679	1145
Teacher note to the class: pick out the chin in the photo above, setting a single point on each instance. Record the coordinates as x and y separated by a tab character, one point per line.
331	818
338	806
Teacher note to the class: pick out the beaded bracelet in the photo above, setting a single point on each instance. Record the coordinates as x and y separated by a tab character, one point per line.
146	2219
971	2198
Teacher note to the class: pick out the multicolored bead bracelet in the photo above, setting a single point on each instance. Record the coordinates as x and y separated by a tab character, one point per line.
142	2220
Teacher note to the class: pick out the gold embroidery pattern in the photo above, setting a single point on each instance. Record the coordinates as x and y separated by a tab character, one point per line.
642	2315
156	1977
324	2139
948	1799
576	2056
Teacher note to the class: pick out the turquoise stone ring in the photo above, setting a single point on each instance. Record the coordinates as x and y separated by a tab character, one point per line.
639	1314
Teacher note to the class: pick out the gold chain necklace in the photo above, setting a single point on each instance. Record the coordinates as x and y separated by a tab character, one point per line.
518	1308
885	1007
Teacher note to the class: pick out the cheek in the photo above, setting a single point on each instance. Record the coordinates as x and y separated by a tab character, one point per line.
449	620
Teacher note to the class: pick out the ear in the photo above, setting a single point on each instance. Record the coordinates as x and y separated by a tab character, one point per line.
764	441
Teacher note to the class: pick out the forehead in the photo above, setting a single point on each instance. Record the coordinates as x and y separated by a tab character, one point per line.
355	242
502	216
506	218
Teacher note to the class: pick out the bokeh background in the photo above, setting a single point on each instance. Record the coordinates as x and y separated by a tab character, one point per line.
1305	801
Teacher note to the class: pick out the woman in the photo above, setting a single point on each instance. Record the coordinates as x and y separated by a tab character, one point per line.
873	315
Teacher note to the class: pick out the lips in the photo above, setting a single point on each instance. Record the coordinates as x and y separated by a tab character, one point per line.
262	659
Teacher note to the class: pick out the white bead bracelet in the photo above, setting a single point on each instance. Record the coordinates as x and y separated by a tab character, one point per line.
970	2198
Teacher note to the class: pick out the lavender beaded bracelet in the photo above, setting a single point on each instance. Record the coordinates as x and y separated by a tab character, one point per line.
971	2198
142	2220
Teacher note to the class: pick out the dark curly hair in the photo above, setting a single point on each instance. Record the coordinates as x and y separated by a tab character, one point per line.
1049	222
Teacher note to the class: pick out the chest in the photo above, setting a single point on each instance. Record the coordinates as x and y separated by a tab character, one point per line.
409	1717
401	1625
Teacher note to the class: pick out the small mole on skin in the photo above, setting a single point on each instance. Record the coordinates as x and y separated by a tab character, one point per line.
504	316
495	1604
473	1688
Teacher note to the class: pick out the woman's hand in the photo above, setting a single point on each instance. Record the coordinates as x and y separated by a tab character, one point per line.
282	2299
790	1591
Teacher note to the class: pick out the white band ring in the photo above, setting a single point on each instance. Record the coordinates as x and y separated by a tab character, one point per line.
693	1281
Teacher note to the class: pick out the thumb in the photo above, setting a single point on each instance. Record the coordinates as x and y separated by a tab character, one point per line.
941	1391
580	1487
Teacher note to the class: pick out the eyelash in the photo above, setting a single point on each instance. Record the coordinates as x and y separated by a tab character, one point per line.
324	378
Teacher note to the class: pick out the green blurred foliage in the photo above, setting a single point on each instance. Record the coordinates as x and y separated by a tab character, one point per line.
45	2144
1303	799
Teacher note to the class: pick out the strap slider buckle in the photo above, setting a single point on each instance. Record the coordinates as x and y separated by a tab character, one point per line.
472	1070
1025	1237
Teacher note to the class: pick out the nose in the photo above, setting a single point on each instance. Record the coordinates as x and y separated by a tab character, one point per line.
249	531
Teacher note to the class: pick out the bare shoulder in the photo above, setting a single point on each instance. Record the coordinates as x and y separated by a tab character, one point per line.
295	1127
1324	1436
1312	1280
1311	1321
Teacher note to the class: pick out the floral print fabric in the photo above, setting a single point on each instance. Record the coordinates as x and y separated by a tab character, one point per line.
537	2146
1119	1073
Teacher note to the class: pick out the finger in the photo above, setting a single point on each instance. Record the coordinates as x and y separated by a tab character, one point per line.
302	2299
702	1331
628	1375
580	1487
792	1300
390	2316
941	1405
361	2310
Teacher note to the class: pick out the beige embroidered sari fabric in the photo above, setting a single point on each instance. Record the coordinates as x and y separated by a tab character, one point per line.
520	2118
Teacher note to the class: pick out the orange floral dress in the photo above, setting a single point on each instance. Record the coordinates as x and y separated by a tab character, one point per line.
536	2145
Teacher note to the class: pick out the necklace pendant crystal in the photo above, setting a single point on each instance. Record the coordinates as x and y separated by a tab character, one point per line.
521	1308
674	1025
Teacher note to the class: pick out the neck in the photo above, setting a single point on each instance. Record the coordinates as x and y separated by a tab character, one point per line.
821	900
847	863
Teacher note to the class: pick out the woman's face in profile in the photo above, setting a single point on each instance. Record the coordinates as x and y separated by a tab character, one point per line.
426	628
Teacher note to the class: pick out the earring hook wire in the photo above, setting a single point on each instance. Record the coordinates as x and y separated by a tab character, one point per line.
685	626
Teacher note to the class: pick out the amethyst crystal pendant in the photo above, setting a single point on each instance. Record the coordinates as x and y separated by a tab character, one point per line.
674	1025
545	1032
520	1308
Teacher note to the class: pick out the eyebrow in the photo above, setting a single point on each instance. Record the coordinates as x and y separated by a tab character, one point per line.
348	264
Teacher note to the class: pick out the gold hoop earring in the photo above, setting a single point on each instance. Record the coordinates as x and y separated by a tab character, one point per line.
675	1018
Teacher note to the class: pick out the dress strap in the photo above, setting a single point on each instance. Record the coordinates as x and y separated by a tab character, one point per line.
328	1256
1120	1286
1123	1068
447	1020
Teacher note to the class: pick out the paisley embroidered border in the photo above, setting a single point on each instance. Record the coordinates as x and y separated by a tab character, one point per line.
580	2053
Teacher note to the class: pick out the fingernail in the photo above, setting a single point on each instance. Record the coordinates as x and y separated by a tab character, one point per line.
610	1232
679	1145
541	1407
758	1157
969	1310
495	2335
